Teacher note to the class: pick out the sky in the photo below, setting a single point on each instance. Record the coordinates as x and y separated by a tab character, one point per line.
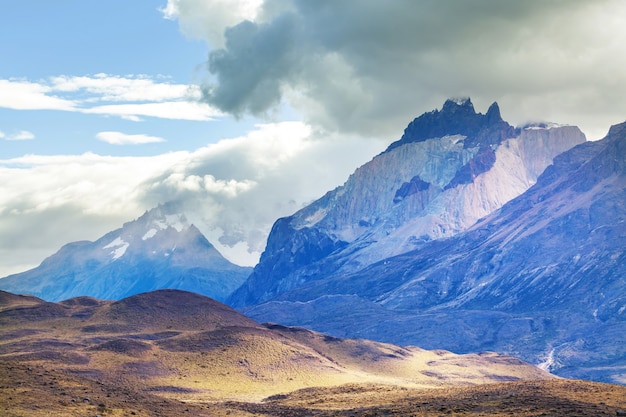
244	111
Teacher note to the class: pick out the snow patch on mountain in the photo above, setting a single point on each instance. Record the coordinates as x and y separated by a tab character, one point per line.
149	234
161	218
120	248
178	221
314	218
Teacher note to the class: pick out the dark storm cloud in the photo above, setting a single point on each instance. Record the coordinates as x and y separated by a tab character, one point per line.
257	59
370	66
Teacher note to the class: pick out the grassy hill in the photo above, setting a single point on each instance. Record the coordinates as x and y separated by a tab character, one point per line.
169	351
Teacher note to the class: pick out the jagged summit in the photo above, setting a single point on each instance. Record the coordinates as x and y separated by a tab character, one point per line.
458	117
165	215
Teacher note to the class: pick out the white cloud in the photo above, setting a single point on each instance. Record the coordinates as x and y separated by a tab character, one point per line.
21	135
129	97
26	95
232	190
238	187
48	201
97	184
139	88
207	19
178	110
119	138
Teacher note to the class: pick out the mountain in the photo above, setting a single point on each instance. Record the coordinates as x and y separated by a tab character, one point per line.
450	168
542	278
158	250
184	346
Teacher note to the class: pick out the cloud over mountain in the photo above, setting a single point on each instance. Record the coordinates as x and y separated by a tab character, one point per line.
364	66
232	190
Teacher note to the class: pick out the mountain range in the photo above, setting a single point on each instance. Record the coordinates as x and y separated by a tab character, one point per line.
158	250
481	262
450	168
466	234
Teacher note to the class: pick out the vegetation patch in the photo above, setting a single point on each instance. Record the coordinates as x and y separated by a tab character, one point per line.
124	346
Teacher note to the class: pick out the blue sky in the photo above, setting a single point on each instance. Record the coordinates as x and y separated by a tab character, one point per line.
128	40
100	120
246	110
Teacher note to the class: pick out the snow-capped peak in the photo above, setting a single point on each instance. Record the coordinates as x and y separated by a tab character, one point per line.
149	234
163	217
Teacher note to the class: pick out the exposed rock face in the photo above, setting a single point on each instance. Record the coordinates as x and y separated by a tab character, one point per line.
450	168
457	116
158	250
542	278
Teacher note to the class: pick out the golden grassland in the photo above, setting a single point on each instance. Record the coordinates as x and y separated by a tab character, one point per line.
176	353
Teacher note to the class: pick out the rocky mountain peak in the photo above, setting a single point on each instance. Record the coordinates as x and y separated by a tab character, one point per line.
458	117
160	249
463	104
618	146
493	113
618	130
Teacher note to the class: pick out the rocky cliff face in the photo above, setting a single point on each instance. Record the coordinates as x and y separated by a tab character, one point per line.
542	278
158	250
449	169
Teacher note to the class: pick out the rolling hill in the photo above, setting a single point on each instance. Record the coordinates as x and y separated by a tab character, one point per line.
173	353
